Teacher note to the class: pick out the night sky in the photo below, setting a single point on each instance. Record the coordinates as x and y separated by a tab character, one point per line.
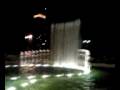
96	24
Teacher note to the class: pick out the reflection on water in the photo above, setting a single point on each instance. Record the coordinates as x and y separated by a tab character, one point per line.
98	79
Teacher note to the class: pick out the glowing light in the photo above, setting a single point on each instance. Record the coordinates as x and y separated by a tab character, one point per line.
7	66
11	88
56	65
88	41
59	75
22	65
45	40
14	78
21	53
15	66
45	76
30	65
31	77
43	43
46	65
45	8
33	81
39	16
40	50
68	65
84	41
29	37
38	65
33	52
71	66
69	75
24	84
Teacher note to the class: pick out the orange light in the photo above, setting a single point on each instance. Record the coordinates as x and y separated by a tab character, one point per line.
39	16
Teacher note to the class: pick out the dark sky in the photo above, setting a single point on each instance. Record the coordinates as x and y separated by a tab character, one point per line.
96	22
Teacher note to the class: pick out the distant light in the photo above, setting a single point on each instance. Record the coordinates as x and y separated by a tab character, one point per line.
56	65
24	84
7	66
33	81
59	75
29	37
86	41
33	51
21	53
15	66
45	8
38	65
45	40
67	65
45	76
39	16
40	50
22	65
30	65
39	36
31	77
46	65
43	43
69	75
14	78
11	88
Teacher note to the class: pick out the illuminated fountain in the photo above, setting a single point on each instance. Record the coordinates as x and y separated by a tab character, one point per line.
30	59
64	51
65	44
